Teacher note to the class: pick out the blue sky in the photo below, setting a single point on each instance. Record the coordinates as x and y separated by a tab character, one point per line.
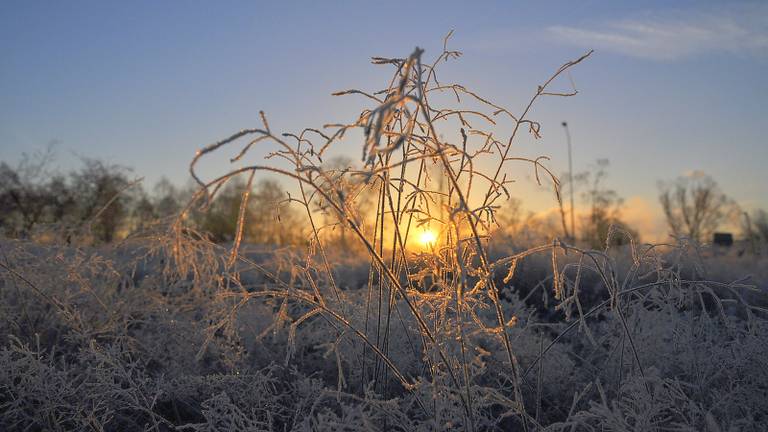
669	90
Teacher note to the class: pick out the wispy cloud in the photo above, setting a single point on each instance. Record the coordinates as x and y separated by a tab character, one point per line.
742	30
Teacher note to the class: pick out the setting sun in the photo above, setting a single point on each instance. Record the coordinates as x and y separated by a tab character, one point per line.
427	238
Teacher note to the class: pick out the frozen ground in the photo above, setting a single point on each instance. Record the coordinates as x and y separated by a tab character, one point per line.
133	337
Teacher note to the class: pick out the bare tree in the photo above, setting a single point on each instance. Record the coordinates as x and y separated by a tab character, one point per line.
143	211
167	198
273	220
101	204
269	219
604	209
694	206
30	194
521	228
219	220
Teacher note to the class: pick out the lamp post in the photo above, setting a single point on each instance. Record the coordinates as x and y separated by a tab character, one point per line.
570	180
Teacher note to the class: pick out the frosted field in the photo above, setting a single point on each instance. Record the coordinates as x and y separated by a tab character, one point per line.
111	338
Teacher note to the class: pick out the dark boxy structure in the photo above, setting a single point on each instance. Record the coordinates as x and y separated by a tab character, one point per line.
723	239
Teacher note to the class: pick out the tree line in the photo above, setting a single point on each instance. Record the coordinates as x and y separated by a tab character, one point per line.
693	205
104	200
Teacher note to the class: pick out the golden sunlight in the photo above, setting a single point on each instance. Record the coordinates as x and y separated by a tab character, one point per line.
428	238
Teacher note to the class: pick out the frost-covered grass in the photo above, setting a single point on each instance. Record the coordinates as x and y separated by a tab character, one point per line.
363	328
114	339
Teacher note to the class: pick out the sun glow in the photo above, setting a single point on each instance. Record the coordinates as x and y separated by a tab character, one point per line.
428	239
